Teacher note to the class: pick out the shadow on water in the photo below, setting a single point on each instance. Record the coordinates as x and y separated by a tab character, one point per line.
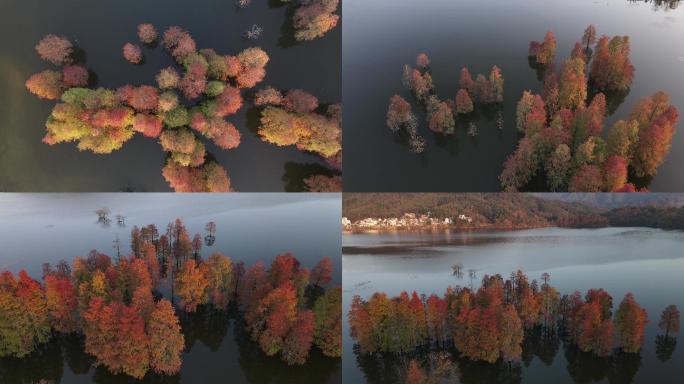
665	347
583	367
295	174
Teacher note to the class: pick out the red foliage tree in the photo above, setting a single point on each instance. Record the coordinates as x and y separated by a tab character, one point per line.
75	76
191	283
466	80
611	68
422	61
614	173
630	321
586	179
61	303
166	339
299	101
321	274
55	49
669	320
147	33
463	102
398	113
148	125
46	84
132	53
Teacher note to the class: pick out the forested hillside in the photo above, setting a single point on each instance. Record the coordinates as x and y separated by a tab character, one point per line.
500	210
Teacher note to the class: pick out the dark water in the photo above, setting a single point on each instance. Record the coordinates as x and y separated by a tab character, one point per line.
37	228
646	262
101	28
382	35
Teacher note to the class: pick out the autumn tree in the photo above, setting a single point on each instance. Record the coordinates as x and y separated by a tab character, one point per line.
611	69
46	84
147	33
573	85
630	321
219	273
62	304
328	322
657	119
314	18
321	274
115	335
132	53
191	284
464	104
24	313
669	320
589	37
166	339
55	49
398	113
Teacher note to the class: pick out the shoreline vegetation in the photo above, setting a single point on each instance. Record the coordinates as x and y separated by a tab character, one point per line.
117	305
390	212
496	322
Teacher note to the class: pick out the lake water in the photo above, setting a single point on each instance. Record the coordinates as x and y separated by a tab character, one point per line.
101	28
646	262
382	35
38	228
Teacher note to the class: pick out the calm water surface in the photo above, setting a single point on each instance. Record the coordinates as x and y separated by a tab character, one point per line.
101	28
37	228
647	262
382	35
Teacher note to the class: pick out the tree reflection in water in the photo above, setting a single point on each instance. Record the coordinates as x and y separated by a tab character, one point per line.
665	347
582	367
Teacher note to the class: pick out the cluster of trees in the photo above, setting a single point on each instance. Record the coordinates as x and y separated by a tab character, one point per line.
660	4
440	113
647	216
102	120
490	324
110	303
296	118
129	328
563	127
314	18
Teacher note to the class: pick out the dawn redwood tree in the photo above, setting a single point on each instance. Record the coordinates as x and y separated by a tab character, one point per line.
466	80
46	84
573	84
299	339
614	173
611	69
464	104
24	313
441	118
321	274
147	33
589	37
422	61
398	113
220	277
669	320
75	76
270	321
657	119
166	339
62	304
361	326
132	53
55	49
328	322
630	321
191	284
